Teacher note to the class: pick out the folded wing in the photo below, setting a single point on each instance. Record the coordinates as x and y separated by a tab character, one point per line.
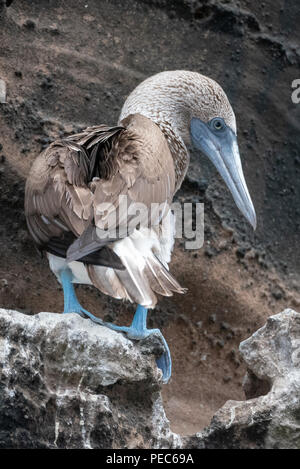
74	205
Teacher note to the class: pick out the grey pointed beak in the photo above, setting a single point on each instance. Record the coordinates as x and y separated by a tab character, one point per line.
222	149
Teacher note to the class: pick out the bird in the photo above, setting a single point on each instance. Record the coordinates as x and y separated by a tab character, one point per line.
77	189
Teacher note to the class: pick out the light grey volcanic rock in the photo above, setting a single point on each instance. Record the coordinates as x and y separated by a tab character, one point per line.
270	417
67	382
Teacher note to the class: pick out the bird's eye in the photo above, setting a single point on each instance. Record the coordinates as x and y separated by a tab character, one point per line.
217	124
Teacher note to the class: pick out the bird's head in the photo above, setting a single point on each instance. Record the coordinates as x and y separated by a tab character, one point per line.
195	110
213	132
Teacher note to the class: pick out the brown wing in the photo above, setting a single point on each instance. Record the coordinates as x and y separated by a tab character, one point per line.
71	180
143	173
58	199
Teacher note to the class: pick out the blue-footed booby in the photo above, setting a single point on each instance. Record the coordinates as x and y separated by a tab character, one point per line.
73	193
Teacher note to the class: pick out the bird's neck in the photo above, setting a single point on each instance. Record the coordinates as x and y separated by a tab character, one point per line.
177	147
171	117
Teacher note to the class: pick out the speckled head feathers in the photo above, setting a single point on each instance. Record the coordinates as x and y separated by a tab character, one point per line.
175	97
171	99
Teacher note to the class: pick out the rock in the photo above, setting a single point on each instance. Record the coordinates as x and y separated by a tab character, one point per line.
210	252
277	293
273	352
212	318
270	418
67	382
29	24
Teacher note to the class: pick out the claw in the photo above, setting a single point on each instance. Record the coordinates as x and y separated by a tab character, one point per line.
164	362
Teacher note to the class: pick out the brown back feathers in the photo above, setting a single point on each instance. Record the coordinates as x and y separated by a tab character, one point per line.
72	178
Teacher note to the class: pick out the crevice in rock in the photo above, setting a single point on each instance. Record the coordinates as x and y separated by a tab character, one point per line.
254	386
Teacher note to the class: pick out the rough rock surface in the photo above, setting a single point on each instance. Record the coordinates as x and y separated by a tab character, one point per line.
271	420
66	382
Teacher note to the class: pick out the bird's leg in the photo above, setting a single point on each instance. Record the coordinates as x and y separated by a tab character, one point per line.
138	330
71	303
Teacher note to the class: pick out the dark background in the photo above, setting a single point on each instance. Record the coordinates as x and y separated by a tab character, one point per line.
69	64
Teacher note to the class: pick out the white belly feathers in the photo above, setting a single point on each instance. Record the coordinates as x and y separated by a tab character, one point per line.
145	255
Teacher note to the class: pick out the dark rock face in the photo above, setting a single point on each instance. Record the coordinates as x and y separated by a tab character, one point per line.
66	382
86	63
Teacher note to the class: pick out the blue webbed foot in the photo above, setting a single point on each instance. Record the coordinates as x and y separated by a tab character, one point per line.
138	331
